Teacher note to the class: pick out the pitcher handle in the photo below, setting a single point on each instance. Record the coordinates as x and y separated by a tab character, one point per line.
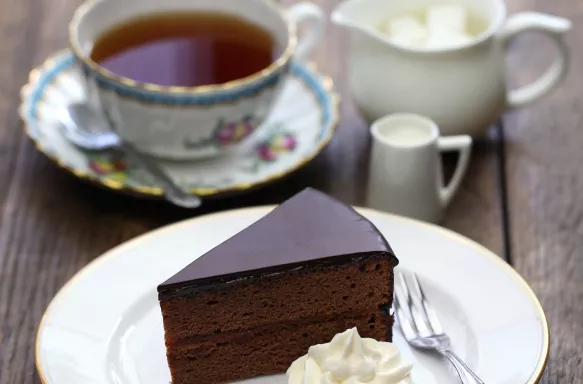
317	22
553	27
462	144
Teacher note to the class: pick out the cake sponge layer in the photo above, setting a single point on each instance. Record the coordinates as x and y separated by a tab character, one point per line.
266	350
357	286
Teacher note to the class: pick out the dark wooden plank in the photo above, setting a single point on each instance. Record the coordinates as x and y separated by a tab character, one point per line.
502	178
18	28
51	224
544	152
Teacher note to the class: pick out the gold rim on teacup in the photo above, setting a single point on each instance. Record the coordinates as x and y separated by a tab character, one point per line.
281	61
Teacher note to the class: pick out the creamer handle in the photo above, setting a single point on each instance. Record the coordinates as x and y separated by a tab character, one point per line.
463	145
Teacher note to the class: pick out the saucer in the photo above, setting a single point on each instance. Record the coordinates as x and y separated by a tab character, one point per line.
301	124
105	325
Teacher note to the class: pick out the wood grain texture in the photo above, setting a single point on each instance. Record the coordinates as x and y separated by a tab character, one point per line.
545	153
51	224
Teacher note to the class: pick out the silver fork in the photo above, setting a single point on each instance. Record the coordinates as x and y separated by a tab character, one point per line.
421	327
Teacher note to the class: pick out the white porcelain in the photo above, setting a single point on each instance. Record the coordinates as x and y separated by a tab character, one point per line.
405	176
301	124
188	122
463	89
105	326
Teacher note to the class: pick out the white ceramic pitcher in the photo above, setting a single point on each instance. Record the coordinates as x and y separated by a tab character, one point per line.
406	176
462	89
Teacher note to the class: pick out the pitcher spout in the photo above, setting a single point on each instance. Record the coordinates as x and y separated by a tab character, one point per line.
342	18
359	15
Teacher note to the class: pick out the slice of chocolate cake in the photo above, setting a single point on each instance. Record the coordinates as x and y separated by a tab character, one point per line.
311	268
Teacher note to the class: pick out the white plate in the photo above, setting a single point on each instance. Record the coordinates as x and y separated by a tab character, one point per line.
105	326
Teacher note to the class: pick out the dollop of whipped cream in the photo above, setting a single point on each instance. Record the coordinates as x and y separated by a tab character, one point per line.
350	359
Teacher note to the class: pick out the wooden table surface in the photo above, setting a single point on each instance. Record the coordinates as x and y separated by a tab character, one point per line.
51	224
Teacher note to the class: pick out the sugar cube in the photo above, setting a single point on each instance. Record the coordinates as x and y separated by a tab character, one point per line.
450	16
407	31
443	38
398	25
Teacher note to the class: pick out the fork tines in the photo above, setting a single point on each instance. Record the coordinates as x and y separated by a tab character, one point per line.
415	315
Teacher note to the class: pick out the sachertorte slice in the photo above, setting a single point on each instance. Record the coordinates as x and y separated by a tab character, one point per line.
311	268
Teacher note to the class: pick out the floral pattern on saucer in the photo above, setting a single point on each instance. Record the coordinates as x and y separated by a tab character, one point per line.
110	166
278	144
301	124
114	167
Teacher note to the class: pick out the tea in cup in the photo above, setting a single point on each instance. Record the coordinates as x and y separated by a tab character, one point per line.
187	79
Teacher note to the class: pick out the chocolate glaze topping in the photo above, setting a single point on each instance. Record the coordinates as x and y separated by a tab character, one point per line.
311	227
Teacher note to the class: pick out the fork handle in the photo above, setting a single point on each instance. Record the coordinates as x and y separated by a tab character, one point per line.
465	373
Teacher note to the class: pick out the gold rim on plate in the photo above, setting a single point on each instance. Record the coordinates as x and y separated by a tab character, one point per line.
157	192
543	355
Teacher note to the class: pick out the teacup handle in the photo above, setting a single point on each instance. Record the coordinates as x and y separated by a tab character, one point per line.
317	22
553	27
463	145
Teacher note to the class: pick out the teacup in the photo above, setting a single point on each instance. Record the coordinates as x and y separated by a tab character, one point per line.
405	175
462	88
191	122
